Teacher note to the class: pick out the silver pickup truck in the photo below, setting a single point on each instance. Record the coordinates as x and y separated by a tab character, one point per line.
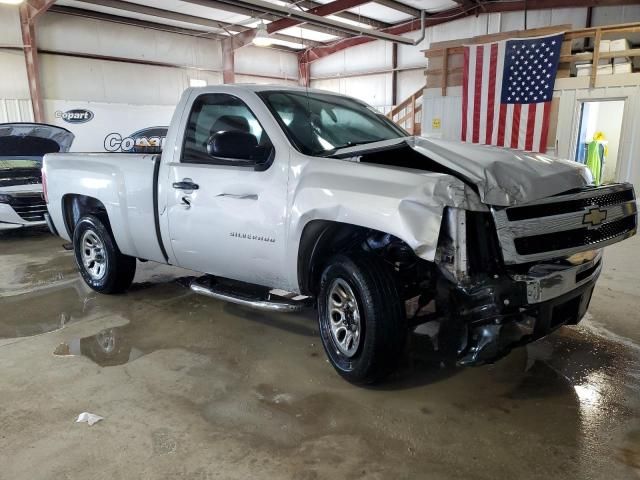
286	198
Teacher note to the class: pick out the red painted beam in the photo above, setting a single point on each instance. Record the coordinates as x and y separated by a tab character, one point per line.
29	11
321	10
228	60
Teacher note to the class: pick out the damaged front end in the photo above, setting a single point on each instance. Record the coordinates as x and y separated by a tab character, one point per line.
488	307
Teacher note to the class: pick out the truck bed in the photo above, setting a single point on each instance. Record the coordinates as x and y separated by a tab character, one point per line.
124	184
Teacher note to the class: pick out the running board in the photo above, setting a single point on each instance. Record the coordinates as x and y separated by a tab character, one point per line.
248	295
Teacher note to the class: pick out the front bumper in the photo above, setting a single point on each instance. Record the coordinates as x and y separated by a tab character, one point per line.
25	209
508	312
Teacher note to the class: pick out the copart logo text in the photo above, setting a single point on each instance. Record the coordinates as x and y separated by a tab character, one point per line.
78	115
147	140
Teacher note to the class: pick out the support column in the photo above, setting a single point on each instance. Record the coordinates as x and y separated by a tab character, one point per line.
29	11
394	74
304	71
27	25
228	61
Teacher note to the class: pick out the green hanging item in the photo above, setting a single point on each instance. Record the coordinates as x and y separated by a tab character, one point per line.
593	161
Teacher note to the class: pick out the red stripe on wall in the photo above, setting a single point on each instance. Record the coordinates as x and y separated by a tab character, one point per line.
465	93
501	124
493	65
542	148
531	126
478	94
515	129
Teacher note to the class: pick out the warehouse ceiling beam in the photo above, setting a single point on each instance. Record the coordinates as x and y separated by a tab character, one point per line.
108	17
350	16
400	7
184	18
29	12
328	24
242	9
321	10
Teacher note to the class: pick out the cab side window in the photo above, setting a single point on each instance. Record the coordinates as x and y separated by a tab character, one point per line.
221	130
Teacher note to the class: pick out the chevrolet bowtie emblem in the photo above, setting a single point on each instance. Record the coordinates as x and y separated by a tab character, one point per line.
594	217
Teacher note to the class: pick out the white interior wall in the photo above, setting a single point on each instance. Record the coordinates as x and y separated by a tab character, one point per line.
266	62
372	89
15	105
68	33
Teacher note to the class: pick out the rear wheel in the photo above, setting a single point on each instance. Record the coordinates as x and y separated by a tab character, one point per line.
361	318
101	264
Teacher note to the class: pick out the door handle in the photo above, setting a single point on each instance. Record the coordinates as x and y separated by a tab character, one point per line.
243	196
186	184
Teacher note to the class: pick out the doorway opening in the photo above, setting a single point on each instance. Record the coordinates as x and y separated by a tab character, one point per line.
599	138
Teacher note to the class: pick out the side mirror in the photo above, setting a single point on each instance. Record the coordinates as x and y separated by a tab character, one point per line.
233	145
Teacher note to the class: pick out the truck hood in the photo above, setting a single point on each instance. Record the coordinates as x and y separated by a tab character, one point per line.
33	140
501	176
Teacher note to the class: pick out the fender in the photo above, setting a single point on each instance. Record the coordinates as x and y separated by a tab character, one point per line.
404	203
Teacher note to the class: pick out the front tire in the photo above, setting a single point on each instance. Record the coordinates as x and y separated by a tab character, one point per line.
361	318
101	264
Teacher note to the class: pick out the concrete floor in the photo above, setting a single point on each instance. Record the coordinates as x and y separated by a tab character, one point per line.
198	389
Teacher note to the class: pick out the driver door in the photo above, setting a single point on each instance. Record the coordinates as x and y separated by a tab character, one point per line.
226	215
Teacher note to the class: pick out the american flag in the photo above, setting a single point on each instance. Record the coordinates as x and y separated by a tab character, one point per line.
507	90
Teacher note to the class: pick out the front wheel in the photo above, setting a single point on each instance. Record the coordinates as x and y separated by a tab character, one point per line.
101	264
361	317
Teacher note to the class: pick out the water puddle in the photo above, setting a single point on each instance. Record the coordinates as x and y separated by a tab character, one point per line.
45	310
107	348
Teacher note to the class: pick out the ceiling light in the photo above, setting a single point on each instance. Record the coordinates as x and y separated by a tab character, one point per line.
12	2
262	38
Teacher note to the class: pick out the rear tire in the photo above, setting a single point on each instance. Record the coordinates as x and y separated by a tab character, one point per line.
101	264
361	317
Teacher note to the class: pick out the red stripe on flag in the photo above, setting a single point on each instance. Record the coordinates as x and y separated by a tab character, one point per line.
493	65
531	126
542	148
515	128
465	93
478	94
501	124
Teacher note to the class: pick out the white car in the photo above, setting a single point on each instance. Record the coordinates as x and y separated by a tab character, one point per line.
22	147
281	195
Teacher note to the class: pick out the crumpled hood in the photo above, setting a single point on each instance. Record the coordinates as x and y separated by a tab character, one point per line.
504	177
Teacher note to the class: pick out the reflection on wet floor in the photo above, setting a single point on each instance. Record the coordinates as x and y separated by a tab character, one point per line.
564	407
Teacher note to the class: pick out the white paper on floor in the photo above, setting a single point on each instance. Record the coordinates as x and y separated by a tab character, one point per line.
89	418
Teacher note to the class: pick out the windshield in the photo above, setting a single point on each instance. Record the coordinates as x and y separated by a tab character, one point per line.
320	123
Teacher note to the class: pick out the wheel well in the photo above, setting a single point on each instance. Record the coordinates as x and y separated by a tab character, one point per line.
74	207
322	238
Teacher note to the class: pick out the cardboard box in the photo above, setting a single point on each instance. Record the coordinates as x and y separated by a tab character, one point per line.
619	45
605	69
605	45
622	68
621	60
585	70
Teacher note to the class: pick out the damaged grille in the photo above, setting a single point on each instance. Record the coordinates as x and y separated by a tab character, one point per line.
29	207
566	224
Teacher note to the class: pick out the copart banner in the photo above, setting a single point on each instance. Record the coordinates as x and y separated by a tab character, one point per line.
111	127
